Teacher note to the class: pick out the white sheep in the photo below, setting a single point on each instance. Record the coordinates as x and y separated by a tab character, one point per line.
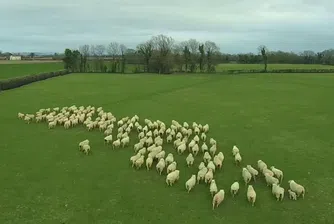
160	155
278	173
212	166
108	139
206	157
213	149
201	166
251	194
213	187
195	149
252	171
292	195
169	138
185	125
237	158
169	159
142	151
270	179
212	141
190	160
208	176
205	128
297	188
86	149
138	146
125	141
217	161
235	150
190	184
84	142
172	177
20	115
246	175
139	162
149	162
221	156
203	136
196	130
181	148
179	135
191	144
204	147
161	165
116	144
218	199
235	188
201	174
134	158
266	170
171	167
261	165
278	191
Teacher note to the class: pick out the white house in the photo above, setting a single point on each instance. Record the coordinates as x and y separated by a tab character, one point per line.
15	58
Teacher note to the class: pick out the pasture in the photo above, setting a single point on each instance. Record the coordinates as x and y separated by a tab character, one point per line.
230	66
284	119
11	69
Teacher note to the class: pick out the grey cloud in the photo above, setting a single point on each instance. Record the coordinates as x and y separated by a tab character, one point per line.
235	26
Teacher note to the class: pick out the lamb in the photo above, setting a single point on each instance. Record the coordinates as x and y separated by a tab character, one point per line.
190	159
206	157
208	176
116	143
213	187
195	149
270	179
246	175
171	167
212	166
292	195
84	142
235	188
204	147
125	141
201	174
261	165
237	158
139	162
172	177
201	166
213	149
278	191
190	184
205	128
251	194
149	162
235	150
217	162
278	173
297	188
203	136
169	159
218	199
108	139
252	171
161	165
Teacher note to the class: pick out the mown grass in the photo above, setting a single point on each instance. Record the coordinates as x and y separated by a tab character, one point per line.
22	69
285	120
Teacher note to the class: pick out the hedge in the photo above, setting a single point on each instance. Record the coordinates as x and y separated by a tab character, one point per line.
24	80
294	70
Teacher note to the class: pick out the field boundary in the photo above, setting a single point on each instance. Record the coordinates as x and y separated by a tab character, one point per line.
16	82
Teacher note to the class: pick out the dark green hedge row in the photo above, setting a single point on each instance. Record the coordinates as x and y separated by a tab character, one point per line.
295	70
24	80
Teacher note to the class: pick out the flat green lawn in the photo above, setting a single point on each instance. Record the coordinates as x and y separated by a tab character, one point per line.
285	120
224	67
14	70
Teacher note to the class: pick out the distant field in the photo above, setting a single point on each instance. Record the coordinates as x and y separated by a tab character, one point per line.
29	62
13	69
285	120
223	67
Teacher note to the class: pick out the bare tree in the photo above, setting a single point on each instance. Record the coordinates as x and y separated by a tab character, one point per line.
210	48
114	49
263	50
201	57
193	46
177	53
100	50
123	49
146	50
84	50
164	45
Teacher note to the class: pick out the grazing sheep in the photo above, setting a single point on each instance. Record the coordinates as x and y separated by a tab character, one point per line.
246	175
84	142
190	160
217	162
86	149
206	157
195	149
139	162
251	194
292	195
235	188
297	188
252	171
161	165
172	177
208	176
149	162
201	166
221	156
201	174
267	171
134	158
125	141
181	148
204	147
160	155
169	138
237	158
108	139
211	166
171	167
235	150
261	165
190	184
218	199
278	191
169	159
270	179
278	173
213	187
116	144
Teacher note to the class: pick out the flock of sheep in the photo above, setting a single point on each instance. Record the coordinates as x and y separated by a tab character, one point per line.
149	148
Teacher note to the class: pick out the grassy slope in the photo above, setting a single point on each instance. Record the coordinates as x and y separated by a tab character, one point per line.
15	70
286	120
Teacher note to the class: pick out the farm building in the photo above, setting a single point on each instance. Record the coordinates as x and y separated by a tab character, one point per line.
15	58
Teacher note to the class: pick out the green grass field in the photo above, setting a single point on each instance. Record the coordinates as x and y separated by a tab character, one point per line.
21	69
224	67
285	120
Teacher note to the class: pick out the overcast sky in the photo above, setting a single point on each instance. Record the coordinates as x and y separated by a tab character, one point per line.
235	25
